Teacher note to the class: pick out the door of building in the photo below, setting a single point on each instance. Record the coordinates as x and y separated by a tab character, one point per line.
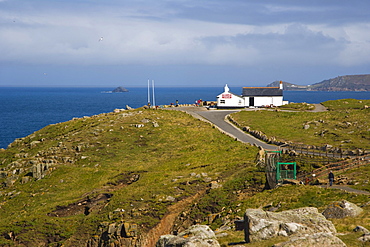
251	101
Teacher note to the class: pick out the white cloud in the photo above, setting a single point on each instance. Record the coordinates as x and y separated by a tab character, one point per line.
283	9
357	50
67	38
354	39
153	35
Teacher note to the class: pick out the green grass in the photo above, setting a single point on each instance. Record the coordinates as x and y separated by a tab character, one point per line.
346	104
296	196
100	154
298	106
349	128
359	177
103	147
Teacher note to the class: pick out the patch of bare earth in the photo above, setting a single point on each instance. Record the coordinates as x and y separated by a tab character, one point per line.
84	206
89	204
166	224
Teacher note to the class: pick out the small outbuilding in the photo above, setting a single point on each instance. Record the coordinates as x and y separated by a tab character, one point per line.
251	97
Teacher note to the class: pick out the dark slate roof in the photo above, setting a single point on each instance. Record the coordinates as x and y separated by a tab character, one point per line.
262	91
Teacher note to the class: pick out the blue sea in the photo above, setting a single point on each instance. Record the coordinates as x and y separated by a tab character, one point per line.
26	110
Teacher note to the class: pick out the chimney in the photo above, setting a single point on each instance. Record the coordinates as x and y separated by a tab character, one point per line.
281	85
226	89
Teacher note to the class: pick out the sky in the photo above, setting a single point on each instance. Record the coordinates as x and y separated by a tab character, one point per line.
177	43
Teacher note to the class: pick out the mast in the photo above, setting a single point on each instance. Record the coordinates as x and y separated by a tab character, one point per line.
148	93
153	93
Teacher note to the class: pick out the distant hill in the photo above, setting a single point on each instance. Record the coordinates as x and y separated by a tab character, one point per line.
344	83
340	83
288	86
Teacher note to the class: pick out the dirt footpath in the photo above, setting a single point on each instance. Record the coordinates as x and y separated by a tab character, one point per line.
319	108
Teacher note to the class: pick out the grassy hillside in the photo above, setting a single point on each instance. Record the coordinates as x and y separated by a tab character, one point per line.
139	161
65	184
346	124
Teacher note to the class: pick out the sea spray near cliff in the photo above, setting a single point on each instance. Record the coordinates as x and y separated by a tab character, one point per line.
25	110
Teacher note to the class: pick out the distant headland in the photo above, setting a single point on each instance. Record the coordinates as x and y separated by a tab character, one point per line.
340	83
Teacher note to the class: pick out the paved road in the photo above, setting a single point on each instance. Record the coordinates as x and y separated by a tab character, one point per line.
218	119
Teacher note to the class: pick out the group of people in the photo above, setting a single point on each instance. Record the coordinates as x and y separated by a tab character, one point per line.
199	102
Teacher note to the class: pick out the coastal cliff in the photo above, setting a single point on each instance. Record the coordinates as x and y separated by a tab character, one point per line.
340	83
343	83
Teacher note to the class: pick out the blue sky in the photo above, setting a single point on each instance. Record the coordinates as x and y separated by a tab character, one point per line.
181	42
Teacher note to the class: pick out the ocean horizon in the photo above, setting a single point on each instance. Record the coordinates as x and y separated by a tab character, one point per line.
28	109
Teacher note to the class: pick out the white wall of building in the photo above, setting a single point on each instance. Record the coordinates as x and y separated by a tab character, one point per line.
229	100
265	101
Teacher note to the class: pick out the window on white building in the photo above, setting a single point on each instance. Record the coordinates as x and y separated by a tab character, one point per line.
222	101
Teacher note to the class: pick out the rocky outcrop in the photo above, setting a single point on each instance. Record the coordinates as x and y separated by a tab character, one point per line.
25	170
342	209
365	236
196	235
313	240
115	235
120	90
261	225
361	229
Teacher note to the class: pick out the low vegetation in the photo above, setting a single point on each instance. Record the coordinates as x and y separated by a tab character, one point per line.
359	178
136	166
298	106
310	196
345	125
143	160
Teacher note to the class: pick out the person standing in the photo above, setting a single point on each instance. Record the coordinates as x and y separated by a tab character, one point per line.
331	178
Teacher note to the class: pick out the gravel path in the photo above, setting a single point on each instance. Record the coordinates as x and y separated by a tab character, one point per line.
319	108
346	188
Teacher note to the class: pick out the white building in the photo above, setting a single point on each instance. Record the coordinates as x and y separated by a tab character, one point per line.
229	100
252	97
